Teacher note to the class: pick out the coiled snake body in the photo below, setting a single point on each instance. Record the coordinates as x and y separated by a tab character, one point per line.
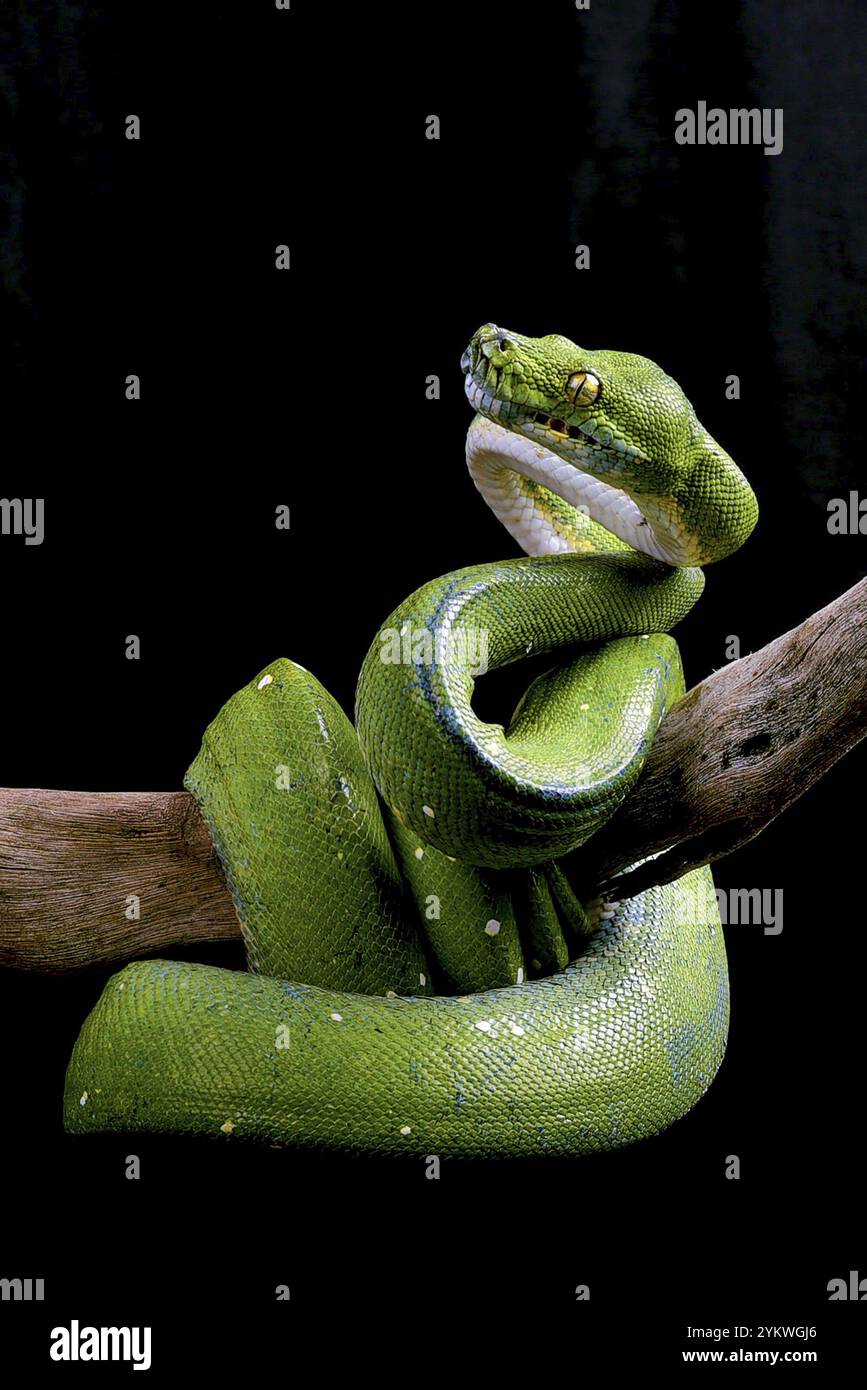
431	851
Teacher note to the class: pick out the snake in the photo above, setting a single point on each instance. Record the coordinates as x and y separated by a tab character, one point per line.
426	972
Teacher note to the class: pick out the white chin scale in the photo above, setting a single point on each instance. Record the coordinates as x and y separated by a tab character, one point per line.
499	460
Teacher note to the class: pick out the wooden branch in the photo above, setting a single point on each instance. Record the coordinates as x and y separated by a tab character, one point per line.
70	863
730	756
738	749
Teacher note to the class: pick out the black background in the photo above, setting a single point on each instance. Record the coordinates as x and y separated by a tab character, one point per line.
306	388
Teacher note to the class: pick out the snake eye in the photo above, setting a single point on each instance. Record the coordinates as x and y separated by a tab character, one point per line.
502	344
583	388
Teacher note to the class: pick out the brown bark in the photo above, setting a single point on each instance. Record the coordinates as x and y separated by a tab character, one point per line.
738	749
730	756
69	862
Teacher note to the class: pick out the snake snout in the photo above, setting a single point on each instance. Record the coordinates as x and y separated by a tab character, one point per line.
488	344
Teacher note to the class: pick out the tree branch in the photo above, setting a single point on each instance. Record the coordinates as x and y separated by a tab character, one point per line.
738	749
71	861
729	757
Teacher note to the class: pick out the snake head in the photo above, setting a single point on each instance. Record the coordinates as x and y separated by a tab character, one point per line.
639	461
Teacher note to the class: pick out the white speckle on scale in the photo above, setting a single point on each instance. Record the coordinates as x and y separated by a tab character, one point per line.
516	1029
338	1018
428	811
520	979
266	680
492	927
390	994
419	854
484	1026
422	979
584	706
405	1129
83	1100
227	1127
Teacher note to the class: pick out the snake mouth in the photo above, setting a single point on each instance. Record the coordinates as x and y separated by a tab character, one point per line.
506	412
542	425
513	416
566	459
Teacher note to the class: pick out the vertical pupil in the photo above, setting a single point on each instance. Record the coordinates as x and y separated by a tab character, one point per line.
584	388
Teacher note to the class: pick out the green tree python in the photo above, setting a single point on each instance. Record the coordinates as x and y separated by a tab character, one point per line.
423	976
